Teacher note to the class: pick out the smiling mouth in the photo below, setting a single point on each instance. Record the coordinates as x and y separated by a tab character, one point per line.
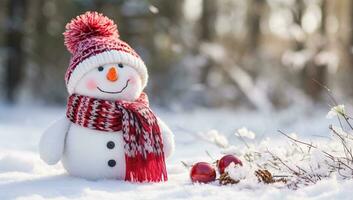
117	92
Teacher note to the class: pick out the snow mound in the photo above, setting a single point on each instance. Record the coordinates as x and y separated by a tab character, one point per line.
16	162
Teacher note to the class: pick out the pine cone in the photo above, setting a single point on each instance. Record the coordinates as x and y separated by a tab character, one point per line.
266	177
225	179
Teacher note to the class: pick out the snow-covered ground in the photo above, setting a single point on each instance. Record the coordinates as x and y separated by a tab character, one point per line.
24	176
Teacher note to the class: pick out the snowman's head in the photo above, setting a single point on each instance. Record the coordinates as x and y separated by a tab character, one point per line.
102	65
114	81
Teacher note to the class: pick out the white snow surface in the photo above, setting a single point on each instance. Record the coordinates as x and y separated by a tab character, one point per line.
23	175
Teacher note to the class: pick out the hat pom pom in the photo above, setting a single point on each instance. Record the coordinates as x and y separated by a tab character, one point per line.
88	25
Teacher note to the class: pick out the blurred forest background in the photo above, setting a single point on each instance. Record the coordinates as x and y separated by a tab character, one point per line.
261	54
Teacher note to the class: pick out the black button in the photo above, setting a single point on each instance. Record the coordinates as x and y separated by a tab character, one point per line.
110	145
111	163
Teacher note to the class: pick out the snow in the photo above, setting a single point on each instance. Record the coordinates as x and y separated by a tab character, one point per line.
213	136
244	132
23	175
336	111
238	172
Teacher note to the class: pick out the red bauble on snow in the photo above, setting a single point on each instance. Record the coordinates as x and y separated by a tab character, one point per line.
226	160
202	172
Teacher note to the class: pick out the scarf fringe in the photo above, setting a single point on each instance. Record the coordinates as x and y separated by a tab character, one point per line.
141	169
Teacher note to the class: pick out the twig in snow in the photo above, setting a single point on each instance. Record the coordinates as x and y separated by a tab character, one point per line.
329	93
295	140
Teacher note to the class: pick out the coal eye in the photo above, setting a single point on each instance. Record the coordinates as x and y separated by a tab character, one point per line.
100	68
121	65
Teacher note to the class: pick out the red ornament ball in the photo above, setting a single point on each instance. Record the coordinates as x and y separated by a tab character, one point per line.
202	172
226	160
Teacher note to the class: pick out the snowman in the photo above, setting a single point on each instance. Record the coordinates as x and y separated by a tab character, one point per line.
109	131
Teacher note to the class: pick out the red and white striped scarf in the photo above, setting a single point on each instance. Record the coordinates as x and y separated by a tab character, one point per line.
143	146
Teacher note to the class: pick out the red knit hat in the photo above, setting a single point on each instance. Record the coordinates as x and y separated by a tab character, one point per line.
93	40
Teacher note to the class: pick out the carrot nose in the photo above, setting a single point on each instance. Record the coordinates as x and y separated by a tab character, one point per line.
112	74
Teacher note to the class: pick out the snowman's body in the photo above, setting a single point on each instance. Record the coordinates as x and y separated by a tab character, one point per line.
89	153
94	154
